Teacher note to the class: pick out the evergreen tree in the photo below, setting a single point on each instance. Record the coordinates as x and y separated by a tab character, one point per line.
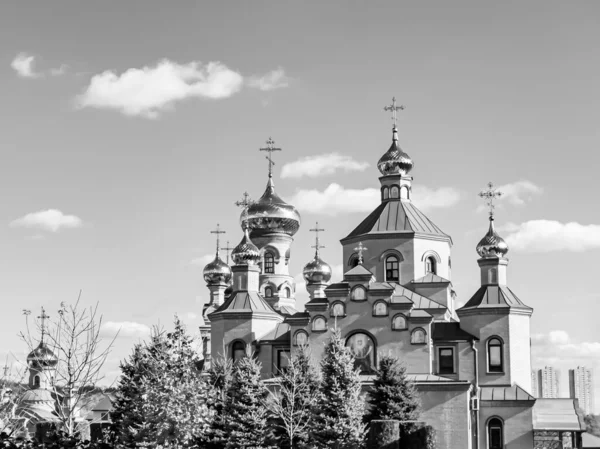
246	413
338	418
293	401
393	396
220	377
162	397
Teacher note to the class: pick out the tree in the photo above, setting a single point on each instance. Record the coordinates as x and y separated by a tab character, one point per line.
338	419
292	403
162	398
74	338
393	396
592	423
220	377
246	414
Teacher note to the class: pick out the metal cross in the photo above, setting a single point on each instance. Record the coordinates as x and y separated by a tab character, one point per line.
43	318
489	196
316	230
227	249
6	368
217	231
394	109
360	248
269	149
245	203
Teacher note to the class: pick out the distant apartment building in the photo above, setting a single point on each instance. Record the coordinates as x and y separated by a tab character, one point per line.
535	383
581	387
544	382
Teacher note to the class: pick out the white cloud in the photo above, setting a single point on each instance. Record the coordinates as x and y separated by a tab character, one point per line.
126	329
149	91
520	192
336	199
203	260
275	79
48	220
550	235
559	345
321	165
23	65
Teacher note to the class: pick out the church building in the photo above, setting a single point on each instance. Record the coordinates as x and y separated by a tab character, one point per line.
471	365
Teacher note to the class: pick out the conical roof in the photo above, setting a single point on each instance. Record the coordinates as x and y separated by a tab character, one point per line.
492	245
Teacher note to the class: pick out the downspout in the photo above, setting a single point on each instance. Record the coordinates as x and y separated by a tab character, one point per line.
476	427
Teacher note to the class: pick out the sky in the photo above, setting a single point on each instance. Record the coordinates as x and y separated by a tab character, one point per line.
130	129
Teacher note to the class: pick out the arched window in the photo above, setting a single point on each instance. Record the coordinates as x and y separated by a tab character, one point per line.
399	323
495	356
319	324
430	265
404	193
394	192
269	263
392	269
338	309
238	351
286	292
380	309
353	261
359	293
495	434
418	336
36	381
385	193
301	338
363	349
268	292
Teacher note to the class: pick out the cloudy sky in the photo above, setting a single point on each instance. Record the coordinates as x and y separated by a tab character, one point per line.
130	129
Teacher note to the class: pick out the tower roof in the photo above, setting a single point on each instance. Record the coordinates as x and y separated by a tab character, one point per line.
243	301
395	161
494	296
42	356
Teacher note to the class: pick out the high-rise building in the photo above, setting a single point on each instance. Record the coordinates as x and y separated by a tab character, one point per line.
535	383
548	379
581	387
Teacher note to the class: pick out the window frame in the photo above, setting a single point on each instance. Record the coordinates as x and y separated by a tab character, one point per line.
298	332
269	263
439	359
355	289
413	332
387	309
270	290
394	190
312	324
498	369
373	341
400	315
385	193
234	349
343	309
430	260
279	353
387	261
494	422
37	381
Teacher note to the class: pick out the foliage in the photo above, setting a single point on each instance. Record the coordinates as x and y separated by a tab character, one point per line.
246	414
292	404
338	418
420	437
162	396
54	440
220	377
393	396
592	423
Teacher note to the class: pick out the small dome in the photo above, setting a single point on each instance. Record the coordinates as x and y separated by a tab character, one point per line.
317	271
217	272
395	161
246	253
271	214
42	356
492	245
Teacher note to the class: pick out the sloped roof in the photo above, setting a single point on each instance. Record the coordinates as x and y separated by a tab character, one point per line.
419	314
505	393
358	270
443	331
415	378
245	302
556	414
380	286
430	278
287	310
281	333
397	216
420	302
495	296
589	441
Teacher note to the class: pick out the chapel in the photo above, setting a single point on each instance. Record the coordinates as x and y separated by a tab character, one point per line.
470	364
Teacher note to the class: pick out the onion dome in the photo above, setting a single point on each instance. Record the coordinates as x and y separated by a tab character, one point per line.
217	272
271	214
316	271
492	245
395	161
246	253
41	357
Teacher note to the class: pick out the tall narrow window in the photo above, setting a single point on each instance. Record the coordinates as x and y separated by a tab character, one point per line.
269	263
386	193
286	292
36	381
338	310
268	292
418	337
319	324
283	360
238	351
359	293
446	360
392	269
495	434
495	362
430	265
301	338
399	323
394	192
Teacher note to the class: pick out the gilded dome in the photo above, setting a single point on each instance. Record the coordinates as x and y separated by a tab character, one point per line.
246	253
395	161
271	214
317	271
42	356
217	272
492	245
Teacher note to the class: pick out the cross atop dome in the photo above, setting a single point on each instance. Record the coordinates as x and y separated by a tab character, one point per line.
394	109
245	203
270	148
43	317
227	249
317	246
217	231
489	196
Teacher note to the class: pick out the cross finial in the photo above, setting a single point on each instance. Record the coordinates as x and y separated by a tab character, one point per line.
360	248
227	249
6	368
393	108
43	318
316	230
489	196
244	204
217	231
269	149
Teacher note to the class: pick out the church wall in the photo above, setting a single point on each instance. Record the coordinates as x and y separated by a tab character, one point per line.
520	350
518	424
423	247
446	409
464	360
